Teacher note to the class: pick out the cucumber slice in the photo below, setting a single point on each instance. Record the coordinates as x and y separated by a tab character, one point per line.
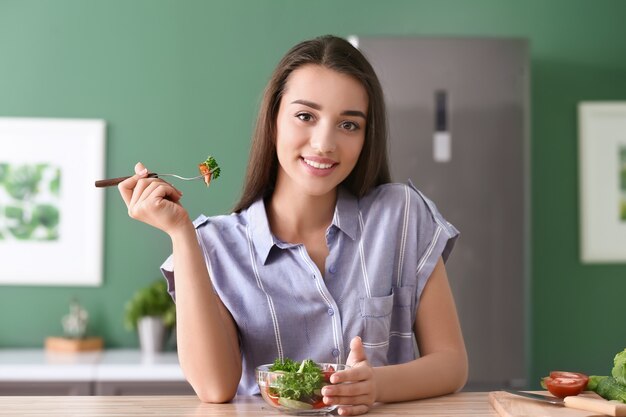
295	404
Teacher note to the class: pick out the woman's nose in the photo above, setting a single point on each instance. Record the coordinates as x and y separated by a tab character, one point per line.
323	140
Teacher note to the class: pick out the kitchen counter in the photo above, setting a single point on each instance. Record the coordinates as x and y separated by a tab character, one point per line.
473	404
106	365
108	372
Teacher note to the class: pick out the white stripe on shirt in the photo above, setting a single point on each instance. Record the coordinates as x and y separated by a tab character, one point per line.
433	209
429	250
405	226
401	334
270	302
366	280
376	345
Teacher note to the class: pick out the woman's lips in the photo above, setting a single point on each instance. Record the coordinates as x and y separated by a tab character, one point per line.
318	166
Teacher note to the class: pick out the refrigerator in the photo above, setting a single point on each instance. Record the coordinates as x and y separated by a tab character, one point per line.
458	129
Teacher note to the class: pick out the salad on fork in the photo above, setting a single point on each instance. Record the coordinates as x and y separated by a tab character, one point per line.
209	170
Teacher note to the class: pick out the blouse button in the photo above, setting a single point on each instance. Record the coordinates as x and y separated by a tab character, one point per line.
331	311
335	352
332	269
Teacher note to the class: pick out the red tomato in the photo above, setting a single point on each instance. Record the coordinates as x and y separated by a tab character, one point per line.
319	404
327	373
271	396
566	374
565	387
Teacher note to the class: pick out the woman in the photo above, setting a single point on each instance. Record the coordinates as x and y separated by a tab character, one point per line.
323	257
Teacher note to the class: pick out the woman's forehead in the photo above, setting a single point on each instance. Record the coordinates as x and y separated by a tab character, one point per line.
326	87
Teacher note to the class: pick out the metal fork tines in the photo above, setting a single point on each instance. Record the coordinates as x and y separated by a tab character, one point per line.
179	177
183	178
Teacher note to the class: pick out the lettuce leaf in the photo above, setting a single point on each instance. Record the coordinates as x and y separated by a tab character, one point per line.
619	368
300	379
211	163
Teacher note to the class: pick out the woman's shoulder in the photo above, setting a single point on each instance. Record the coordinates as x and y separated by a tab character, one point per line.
392	194
404	199
235	224
220	223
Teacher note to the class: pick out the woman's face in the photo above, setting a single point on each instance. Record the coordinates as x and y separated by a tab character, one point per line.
320	129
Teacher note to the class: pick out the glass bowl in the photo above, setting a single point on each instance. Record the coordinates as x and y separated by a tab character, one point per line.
290	393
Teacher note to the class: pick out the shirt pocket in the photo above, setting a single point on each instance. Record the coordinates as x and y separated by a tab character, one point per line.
376	315
401	340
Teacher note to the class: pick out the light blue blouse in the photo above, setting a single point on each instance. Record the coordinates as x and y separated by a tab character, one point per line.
382	250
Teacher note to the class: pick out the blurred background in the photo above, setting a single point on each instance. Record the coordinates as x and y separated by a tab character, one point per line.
175	80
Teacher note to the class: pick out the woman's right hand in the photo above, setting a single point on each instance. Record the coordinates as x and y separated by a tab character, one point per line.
153	201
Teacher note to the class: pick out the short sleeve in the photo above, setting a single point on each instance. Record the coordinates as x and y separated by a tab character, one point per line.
436	238
167	268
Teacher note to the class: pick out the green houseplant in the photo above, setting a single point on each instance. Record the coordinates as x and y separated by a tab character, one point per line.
152	313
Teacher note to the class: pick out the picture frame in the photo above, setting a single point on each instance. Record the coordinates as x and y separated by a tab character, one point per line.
51	215
602	159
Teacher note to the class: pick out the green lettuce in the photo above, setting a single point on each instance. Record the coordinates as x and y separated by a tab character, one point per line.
300	381
211	163
619	368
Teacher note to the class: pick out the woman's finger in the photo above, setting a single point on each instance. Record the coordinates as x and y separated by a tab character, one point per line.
139	190
166	191
149	196
352	410
140	169
358	373
349	399
357	352
127	186
358	388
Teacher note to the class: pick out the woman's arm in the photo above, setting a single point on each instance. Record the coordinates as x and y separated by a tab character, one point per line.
442	366
208	346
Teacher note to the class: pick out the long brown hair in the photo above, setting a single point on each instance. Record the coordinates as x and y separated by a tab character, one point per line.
339	55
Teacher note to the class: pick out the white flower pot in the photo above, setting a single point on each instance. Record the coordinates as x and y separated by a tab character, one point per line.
151	334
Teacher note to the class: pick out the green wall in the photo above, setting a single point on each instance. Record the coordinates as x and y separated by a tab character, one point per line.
175	80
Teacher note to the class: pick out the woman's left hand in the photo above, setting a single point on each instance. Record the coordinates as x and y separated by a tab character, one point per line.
359	394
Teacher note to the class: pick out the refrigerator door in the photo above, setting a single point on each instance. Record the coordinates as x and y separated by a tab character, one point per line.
458	113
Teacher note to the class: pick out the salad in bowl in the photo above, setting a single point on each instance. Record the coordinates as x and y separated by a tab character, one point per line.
296	387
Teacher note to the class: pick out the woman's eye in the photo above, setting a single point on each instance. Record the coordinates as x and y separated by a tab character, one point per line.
350	126
305	117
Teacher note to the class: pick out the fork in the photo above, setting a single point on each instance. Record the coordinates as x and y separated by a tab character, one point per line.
114	181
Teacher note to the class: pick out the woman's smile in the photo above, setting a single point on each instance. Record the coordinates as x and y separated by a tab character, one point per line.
318	166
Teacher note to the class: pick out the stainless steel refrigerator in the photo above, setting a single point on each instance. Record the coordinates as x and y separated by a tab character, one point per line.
458	112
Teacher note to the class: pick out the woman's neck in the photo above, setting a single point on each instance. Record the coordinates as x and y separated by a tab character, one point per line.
295	217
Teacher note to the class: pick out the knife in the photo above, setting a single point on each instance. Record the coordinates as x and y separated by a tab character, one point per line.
596	405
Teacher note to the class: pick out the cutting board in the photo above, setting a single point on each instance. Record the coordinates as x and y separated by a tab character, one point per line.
509	405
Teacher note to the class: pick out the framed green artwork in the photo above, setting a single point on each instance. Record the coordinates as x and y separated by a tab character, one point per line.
51	215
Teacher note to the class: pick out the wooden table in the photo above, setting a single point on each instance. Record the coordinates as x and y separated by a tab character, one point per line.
461	404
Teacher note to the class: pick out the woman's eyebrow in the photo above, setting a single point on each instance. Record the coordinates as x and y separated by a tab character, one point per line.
316	106
357	113
308	104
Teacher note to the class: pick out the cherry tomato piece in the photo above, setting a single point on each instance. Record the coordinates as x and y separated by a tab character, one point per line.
272	396
327	373
565	387
319	404
567	374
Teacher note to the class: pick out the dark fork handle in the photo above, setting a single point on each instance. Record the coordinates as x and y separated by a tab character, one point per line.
114	181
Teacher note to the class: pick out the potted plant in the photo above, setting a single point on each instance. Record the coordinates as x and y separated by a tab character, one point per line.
152	313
